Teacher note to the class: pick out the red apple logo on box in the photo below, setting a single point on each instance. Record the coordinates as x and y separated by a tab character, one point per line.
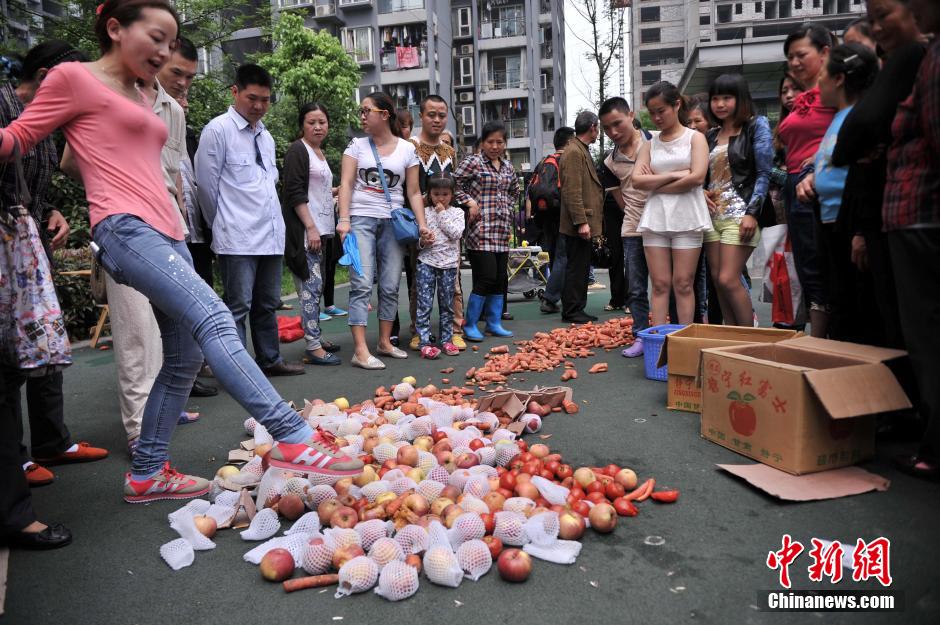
741	413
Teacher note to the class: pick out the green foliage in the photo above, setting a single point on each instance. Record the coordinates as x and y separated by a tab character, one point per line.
74	292
644	119
209	96
310	66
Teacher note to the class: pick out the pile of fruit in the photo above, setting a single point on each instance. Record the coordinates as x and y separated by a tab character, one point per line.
447	493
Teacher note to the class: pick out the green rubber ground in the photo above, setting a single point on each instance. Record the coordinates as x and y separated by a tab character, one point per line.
709	566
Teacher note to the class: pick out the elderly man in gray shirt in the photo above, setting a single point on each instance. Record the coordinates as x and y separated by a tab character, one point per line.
236	177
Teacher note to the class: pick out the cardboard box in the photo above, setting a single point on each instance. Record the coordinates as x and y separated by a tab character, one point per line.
803	405
683	351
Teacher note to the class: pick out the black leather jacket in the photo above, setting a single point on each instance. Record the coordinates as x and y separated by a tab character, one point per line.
750	155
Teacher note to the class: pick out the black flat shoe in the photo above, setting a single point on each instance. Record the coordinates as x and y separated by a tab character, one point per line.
330	360
330	347
548	308
579	319
908	464
203	390
53	537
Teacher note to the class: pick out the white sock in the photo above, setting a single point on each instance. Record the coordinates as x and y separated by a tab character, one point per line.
28	464
72	449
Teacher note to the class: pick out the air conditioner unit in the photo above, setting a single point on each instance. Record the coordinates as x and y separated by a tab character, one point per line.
324	10
466	49
466	96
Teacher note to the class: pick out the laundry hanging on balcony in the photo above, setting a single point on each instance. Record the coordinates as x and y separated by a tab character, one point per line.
407	57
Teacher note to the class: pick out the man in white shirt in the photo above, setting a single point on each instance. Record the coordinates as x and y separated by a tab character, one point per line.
236	178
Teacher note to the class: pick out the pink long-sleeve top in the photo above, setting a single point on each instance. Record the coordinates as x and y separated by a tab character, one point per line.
116	141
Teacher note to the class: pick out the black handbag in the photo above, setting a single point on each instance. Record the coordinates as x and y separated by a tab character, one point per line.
601	256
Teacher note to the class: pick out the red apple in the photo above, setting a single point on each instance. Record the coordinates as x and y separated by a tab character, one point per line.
547	474
581	507
342	486
476	444
450	515
505	492
595	487
522	445
514	565
626	478
603	518
442	445
418	504
440	504
326	509
571	525
450	492
522	477
344	517
596	497
539	450
614	490
551	465
277	565
344	554
527	489
439	435
489	522
290	506
564	471
495	545
743	418
414	560
584	476
507	480
494	500
206	525
611	470
467	460
407	454
625	507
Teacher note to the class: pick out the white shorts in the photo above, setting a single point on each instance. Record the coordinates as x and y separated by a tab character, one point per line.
674	240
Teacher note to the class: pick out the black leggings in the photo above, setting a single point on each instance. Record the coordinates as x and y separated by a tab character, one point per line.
489	272
329	256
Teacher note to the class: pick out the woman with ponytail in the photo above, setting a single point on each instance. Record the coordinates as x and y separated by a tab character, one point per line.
365	210
138	235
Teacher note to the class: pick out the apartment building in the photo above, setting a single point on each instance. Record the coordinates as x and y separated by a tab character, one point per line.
23	21
689	43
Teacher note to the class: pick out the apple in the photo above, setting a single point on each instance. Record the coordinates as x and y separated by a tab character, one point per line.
450	492
533	407
427	519
344	554
626	478
539	450
277	565
527	489
523	477
495	545
603	518
326	509
743	418
533	467
345	517
439	436
570	525
407	454
347	500
596	497
581	507
604	479
409	379
415	474
476	444
583	476
614	490
514	565
505	492
625	507
442	445
386	498
547	474
342	403
227	471
367	476
522	445
414	560
489	522
595	487
551	465
611	469
290	507
493	483
375	511
494	500
418	504
206	525
440	504
444	457
467	460
450	515
342	486
507	480
526	456
564	471
423	442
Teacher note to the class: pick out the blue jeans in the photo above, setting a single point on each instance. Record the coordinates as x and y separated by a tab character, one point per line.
637	276
193	322
427	278
253	290
380	254
557	278
310	291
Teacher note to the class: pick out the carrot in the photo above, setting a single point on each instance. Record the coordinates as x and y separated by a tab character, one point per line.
500	349
600	367
570	407
447	370
650	484
313	581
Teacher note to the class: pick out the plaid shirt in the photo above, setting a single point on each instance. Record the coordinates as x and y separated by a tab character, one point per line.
38	164
912	193
496	192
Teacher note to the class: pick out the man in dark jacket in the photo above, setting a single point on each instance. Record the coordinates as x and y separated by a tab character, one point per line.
582	215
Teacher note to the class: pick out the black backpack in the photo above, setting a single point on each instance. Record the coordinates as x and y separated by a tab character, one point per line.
545	186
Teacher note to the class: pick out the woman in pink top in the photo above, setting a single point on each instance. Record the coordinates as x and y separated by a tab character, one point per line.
807	50
137	235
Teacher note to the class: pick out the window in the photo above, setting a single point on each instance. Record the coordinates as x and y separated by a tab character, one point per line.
844	6
393	6
724	14
358	43
797	4
463	73
786	8
770	10
649	14
462	17
738	8
758	7
704	20
203	66
662	56
468	119
544	81
651	77
650	35
815	4
506	72
727	34
548	122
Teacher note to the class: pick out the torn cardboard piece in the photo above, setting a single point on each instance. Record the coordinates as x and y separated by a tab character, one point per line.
833	484
321	410
239	456
245	511
513	402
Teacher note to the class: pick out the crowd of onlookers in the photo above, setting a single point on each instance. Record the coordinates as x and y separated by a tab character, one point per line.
675	212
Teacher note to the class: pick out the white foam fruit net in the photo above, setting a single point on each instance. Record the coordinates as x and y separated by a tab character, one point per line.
532	422
371	531
439	474
413	539
477	486
553	493
484	470
430	489
542	529
318	494
384	452
263	526
373	489
426	461
472	504
295	544
403	485
252	470
437	534
510	528
295	486
459	478
385	550
317	558
468	526
558	552
357	575
394	474
178	553
342	536
182	521
307	524
261	436
441	567
519	504
487	456
505	452
250	425
503	434
226	498
397	581
474	559
220	513
349	427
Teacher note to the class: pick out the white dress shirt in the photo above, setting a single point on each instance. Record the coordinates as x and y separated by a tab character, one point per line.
238	196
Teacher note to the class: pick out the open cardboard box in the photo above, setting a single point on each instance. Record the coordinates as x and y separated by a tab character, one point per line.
801	406
513	402
683	350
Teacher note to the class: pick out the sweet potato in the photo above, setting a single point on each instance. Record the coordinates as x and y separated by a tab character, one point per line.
570	407
313	581
600	367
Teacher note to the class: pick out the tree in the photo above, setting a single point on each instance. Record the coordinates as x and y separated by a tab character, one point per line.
311	66
604	40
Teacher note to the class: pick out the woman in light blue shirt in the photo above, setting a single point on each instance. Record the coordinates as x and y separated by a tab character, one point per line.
849	72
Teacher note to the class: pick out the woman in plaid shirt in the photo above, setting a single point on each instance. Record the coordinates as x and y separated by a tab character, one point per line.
488	186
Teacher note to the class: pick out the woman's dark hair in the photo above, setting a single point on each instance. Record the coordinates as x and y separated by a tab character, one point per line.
490	128
670	94
126	12
47	55
310	107
405	118
818	35
734	85
383	102
796	83
859	65
701	105
862	25
441	181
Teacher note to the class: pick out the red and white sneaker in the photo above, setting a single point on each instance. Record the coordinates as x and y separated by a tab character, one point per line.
167	484
320	455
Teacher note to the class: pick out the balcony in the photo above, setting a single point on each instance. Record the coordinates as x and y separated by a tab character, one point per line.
395	6
352	5
411	65
503	34
546	55
548	100
545	12
394	12
503	85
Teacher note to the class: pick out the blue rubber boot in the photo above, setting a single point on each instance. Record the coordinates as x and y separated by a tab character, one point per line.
494	314
471	316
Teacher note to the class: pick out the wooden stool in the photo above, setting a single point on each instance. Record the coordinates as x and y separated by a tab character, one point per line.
102	322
